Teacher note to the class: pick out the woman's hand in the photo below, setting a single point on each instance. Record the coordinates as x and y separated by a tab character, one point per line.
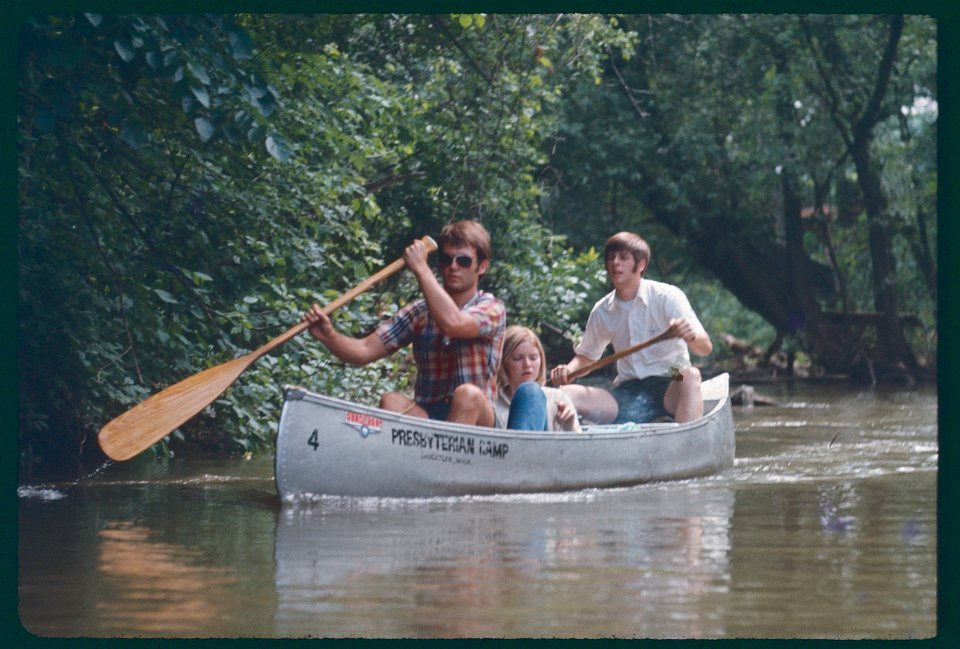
565	412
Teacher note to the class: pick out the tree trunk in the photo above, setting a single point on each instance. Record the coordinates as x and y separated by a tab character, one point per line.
923	253
896	351
821	343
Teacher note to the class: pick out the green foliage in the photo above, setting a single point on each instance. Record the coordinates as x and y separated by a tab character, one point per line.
721	313
189	184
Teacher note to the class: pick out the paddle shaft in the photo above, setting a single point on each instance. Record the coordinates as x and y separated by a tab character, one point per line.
362	287
148	422
603	362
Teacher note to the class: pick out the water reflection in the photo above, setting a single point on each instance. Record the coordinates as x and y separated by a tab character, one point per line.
175	558
833	560
159	588
502	567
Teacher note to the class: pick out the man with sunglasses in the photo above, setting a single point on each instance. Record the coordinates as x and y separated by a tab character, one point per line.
455	328
654	382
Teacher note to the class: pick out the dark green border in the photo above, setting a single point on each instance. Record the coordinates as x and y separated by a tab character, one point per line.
947	13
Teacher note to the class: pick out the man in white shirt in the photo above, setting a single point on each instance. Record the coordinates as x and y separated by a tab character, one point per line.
653	382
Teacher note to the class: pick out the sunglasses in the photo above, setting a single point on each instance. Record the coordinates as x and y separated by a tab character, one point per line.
463	261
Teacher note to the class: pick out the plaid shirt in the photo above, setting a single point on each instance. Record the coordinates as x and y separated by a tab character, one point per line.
443	363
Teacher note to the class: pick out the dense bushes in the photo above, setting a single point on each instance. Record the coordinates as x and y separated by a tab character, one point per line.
188	184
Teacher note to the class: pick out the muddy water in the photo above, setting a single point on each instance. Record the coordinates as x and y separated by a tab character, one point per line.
824	528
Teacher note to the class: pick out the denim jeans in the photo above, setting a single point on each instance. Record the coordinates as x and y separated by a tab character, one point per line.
641	400
528	408
438	410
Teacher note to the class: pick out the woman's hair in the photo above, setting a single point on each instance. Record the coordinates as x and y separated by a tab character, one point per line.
632	243
467	233
512	337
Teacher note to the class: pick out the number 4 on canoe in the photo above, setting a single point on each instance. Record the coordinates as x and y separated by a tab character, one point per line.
147	423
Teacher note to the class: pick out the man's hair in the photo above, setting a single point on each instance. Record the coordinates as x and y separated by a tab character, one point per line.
512	338
632	243
467	233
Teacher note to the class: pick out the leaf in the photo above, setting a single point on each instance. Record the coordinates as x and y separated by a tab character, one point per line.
202	95
94	19
266	103
204	128
241	45
165	296
133	134
278	148
199	73
124	49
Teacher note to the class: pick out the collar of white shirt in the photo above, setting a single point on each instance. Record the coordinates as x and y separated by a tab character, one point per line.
643	295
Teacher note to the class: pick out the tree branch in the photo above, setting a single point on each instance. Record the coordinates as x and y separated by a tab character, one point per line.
871	113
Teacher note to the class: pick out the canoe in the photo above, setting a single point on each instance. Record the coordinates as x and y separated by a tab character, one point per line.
328	446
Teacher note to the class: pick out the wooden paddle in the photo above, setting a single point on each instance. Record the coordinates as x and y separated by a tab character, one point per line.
145	424
603	362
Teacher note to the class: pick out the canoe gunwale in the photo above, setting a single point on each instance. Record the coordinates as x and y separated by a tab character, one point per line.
590	432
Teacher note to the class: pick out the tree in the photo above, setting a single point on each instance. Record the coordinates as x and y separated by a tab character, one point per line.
127	127
858	100
735	160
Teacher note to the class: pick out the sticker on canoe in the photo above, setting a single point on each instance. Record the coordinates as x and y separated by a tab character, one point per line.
365	424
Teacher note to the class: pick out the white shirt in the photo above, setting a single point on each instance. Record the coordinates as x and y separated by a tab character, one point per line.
622	325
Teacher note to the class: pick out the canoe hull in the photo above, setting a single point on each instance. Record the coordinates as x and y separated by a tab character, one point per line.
328	446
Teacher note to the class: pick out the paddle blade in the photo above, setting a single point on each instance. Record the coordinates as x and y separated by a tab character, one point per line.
147	423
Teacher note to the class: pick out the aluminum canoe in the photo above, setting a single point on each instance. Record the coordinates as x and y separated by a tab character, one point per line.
328	446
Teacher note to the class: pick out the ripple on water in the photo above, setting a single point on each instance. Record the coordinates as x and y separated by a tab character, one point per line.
40	493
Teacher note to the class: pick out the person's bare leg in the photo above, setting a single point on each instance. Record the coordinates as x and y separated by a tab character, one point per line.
593	404
683	399
396	402
470	406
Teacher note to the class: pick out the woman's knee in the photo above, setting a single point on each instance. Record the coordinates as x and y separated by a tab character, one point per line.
529	390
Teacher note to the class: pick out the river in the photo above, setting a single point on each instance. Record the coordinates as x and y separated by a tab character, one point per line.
826	527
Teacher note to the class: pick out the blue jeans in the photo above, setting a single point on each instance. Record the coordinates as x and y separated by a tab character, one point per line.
438	410
641	400
528	408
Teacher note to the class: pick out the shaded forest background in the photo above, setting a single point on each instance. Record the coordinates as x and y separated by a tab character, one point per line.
189	184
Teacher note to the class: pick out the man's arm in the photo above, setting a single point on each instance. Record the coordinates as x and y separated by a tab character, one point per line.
356	351
696	338
595	340
445	313
701	345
